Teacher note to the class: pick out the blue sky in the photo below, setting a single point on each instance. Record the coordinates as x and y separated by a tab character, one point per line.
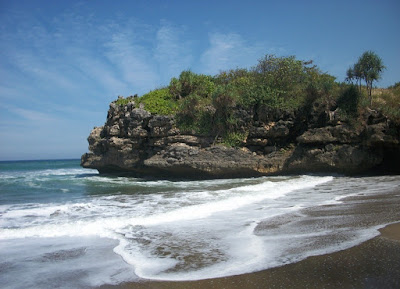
63	62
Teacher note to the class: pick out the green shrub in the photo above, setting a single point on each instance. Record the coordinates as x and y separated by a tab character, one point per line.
232	76
283	73
349	100
123	101
234	139
195	114
201	124
320	85
159	101
224	102
278	82
395	86
191	83
188	108
209	105
389	103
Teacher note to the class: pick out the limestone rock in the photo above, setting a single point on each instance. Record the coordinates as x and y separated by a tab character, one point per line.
329	134
134	141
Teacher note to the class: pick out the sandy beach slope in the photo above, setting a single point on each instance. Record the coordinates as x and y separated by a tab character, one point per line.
372	264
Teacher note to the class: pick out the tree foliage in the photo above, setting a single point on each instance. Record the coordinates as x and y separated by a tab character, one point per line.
191	83
348	100
282	73
215	105
209	103
369	68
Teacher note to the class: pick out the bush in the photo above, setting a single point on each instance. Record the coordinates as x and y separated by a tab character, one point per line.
389	102
278	82
349	100
395	86
224	102
159	101
231	76
191	83
208	105
282	73
209	116
234	139
195	114
123	101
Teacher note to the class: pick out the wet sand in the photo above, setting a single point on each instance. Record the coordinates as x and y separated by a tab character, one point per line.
372	264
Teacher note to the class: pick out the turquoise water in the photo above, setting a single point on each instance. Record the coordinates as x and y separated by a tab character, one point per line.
68	227
41	181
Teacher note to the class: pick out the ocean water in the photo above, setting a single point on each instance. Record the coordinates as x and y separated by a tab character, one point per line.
68	227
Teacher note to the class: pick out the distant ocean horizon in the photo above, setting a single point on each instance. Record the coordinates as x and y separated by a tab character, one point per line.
68	227
39	160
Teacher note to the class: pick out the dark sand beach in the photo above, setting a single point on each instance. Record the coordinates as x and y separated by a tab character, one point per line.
371	264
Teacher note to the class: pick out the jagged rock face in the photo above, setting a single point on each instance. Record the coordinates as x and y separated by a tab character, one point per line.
136	142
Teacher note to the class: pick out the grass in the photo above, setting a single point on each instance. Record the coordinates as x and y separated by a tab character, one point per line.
387	100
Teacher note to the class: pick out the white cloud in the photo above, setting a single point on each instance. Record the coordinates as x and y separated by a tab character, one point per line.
132	59
172	52
47	72
228	51
31	115
102	73
63	71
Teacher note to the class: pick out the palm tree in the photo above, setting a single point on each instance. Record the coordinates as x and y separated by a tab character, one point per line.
358	74
350	75
371	67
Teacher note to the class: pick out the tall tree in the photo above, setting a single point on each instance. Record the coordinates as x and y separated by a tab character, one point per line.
350	76
358	74
370	68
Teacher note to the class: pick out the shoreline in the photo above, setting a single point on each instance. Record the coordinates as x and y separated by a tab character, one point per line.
391	232
374	263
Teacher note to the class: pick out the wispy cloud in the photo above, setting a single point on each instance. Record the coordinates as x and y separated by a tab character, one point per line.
96	70
132	60
63	70
75	58
228	51
172	52
31	115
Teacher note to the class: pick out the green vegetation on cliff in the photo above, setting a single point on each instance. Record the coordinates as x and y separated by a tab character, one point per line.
388	101
369	68
216	105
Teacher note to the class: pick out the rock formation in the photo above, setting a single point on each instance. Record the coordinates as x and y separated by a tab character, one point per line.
133	141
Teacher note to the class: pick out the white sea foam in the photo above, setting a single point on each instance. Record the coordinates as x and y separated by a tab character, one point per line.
60	220
186	230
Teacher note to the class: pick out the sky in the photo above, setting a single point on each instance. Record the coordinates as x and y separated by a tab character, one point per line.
63	62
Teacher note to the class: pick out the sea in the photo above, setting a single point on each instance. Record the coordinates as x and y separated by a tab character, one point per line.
62	226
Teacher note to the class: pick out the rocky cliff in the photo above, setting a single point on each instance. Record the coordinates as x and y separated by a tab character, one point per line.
278	142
